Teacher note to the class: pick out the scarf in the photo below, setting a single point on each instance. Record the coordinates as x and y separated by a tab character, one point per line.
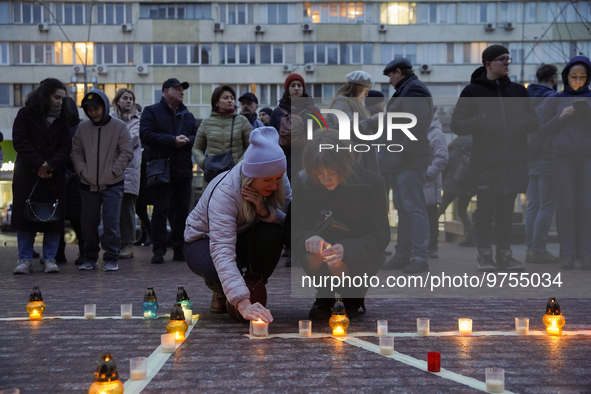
53	114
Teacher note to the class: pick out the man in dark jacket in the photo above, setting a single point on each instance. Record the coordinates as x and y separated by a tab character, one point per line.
407	169
167	131
541	190
248	108
489	109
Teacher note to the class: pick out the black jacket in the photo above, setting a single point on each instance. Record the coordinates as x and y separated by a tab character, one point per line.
362	206
456	175
412	96
159	127
538	149
499	115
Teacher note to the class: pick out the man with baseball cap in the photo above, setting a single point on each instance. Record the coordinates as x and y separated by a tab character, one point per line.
167	131
407	169
248	108
498	162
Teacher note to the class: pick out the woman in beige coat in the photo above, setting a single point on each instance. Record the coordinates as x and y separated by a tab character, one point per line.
213	136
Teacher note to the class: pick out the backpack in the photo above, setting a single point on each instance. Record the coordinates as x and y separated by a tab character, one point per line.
291	130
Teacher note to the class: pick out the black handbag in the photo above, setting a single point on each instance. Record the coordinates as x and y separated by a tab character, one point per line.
157	172
216	164
42	212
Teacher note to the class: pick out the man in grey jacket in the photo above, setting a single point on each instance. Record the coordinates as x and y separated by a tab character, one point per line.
101	150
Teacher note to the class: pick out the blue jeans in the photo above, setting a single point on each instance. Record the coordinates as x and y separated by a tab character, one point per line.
26	240
110	200
413	222
573	192
541	204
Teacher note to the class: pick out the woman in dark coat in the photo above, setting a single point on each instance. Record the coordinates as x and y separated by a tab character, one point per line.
42	140
565	125
333	182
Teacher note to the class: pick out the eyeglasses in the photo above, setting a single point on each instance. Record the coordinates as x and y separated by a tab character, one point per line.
504	60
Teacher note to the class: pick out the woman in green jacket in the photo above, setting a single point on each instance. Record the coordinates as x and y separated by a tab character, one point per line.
224	131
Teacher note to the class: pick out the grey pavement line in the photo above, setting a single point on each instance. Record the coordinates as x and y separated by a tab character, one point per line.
422	365
156	361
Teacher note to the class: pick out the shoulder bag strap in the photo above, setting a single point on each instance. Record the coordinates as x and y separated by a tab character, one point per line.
232	133
34	187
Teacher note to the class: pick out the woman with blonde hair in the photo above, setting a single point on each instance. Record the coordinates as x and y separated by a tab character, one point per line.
125	109
237	225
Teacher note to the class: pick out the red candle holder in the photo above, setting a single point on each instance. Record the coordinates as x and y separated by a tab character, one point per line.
433	361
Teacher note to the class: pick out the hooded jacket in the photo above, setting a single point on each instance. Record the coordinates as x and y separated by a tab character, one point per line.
569	137
102	151
132	172
214	135
218	218
537	148
499	115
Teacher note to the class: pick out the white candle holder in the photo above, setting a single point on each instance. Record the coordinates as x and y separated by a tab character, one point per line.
305	328
495	380
89	311
423	326
522	325
138	367
386	345
168	343
259	328
188	316
126	311
465	326
382	327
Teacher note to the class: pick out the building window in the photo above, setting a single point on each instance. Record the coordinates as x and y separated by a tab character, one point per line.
175	11
277	53
390	52
21	92
73	13
475	13
432	13
237	53
80	53
4	53
338	12
33	53
5	94
276	13
338	53
237	13
113	53
269	95
398	13
114	13
28	13
4	12
160	54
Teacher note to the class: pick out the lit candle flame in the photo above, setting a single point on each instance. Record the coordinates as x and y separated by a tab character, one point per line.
338	331
180	337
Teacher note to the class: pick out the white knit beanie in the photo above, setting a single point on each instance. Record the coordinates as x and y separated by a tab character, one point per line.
264	157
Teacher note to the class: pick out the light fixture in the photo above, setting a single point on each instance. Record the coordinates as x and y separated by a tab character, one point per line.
106	379
36	306
553	319
73	79
183	298
150	306
177	324
339	320
93	79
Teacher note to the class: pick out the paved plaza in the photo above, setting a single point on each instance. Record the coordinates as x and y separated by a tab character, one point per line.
61	355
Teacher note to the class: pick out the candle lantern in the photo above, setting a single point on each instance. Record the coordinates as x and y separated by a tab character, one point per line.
183	298
36	306
106	379
150	306
177	324
553	318
339	320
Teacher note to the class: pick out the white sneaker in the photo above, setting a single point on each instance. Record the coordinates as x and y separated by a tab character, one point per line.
50	266
88	265
23	267
110	266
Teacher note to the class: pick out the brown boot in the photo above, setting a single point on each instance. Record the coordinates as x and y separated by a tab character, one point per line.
218	303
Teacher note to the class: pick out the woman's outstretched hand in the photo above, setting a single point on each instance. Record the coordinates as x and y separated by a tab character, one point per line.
250	194
254	311
316	244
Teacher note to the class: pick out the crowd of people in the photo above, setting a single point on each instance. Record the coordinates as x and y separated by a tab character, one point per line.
258	166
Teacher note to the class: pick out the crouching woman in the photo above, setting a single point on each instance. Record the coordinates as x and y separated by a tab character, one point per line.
237	225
